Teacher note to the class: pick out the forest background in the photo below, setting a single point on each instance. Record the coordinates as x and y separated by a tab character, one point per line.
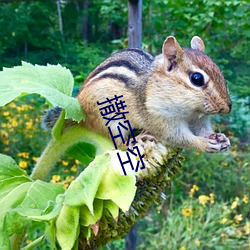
207	205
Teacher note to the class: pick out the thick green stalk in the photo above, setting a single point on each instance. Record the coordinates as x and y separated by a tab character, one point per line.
57	146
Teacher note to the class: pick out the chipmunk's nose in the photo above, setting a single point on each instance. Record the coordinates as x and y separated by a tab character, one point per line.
227	108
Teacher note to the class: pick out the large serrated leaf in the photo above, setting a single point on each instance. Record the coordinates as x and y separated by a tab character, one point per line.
9	168
86	218
39	194
21	197
118	188
67	226
14	198
9	184
83	189
53	82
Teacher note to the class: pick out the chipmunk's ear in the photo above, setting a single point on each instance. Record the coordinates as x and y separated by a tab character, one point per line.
171	49
197	43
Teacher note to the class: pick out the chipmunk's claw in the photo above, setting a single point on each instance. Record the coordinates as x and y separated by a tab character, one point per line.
141	138
218	142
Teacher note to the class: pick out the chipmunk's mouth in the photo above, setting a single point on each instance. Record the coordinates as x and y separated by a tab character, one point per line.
224	108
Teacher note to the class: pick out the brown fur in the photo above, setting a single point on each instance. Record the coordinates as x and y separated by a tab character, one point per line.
159	95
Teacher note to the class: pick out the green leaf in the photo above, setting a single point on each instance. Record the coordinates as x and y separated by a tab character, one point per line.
83	189
58	127
4	240
9	168
53	82
34	243
112	208
67	226
39	194
6	186
83	152
86	218
118	188
46	216
86	231
20	197
50	234
14	198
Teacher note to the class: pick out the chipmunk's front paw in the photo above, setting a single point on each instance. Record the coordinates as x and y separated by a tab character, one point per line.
141	138
218	142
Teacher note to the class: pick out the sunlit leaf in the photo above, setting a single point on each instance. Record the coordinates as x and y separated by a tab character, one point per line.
83	152
9	168
118	188
83	189
86	218
67	226
53	82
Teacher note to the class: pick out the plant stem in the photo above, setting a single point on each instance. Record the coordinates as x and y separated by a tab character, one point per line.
57	147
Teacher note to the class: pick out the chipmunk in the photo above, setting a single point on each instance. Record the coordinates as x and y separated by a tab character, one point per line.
170	96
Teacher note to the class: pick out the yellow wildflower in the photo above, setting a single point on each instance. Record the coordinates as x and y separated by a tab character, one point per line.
70	178
245	199
193	190
14	123
12	105
234	152
29	124
6	113
4	134
28	241
197	242
6	141
197	152
73	168
203	199
6	149
238	218
77	162
65	185
224	164
223	220
238	159
187	211
211	195
183	248
55	178
223	235
235	203
35	159
238	233
65	163
247	227
24	154
23	164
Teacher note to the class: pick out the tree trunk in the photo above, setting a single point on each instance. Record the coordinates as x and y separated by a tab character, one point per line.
85	20
131	238
59	16
135	23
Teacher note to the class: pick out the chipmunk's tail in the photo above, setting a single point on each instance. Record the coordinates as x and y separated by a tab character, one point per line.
50	117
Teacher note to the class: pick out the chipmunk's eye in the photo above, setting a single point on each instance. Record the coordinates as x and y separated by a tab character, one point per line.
197	79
